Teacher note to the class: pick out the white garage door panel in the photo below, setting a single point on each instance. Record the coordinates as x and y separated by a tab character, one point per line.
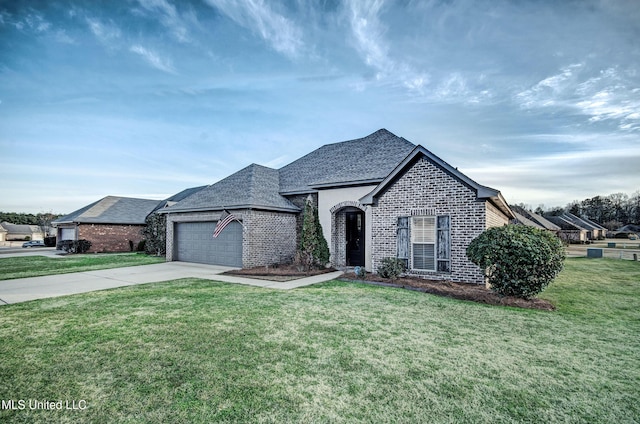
67	234
195	243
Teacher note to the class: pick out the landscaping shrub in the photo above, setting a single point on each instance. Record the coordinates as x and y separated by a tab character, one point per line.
518	260
155	234
313	250
74	246
391	268
360	272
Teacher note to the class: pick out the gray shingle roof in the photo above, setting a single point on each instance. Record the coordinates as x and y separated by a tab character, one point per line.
25	229
170	201
563	223
521	219
112	210
371	159
538	219
255	186
582	222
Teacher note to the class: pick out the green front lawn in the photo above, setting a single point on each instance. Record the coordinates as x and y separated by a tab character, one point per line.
35	266
199	351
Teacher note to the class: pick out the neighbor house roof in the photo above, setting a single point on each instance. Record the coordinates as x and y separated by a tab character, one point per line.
535	218
564	223
255	186
482	192
170	201
521	219
582	222
365	160
20	228
112	210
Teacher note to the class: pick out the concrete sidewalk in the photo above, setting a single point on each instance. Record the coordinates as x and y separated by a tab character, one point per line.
25	289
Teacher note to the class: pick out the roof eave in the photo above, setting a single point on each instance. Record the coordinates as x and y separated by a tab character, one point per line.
229	208
341	184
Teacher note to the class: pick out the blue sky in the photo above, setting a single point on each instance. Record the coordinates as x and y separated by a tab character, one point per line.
143	98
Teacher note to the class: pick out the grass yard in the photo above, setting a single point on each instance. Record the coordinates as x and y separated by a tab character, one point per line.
35	266
198	351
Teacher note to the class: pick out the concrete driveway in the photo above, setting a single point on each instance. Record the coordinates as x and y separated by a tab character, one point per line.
25	289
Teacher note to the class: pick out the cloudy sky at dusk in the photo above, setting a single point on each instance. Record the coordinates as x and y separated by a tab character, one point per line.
143	98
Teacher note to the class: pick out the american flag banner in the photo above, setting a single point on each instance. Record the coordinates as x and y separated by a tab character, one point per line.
224	220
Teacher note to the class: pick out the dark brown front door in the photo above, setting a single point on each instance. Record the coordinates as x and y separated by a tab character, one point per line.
355	238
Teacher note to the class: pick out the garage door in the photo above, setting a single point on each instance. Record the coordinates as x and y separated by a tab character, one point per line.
195	243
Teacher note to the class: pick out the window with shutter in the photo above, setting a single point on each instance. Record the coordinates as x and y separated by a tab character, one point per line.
431	243
423	242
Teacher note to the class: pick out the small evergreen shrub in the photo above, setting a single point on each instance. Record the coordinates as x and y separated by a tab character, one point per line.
517	260
391	268
155	234
313	251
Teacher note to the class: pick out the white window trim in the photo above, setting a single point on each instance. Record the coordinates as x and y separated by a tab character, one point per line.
433	243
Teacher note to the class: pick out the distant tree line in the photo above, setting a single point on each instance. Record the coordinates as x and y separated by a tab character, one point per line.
613	211
28	218
42	220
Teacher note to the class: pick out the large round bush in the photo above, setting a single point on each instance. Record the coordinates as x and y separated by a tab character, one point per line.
518	260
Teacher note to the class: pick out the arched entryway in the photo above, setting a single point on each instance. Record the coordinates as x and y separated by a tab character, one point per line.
348	234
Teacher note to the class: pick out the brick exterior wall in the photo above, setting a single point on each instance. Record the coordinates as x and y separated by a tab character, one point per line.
339	239
427	187
110	238
267	237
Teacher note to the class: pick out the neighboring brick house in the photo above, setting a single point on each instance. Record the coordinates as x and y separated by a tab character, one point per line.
112	224
378	196
577	230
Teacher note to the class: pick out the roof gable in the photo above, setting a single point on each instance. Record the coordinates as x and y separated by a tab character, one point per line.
364	160
112	210
255	186
482	192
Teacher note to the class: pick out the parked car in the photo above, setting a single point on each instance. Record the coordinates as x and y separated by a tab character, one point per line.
33	243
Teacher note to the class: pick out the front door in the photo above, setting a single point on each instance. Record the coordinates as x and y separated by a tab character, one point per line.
355	238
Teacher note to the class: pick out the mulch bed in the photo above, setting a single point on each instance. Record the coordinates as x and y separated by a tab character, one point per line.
277	273
471	292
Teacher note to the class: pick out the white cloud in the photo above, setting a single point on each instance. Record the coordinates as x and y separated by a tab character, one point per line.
106	33
609	96
281	33
153	59
369	37
170	18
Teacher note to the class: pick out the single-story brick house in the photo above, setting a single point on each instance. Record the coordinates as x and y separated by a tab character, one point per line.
378	196
569	231
112	224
